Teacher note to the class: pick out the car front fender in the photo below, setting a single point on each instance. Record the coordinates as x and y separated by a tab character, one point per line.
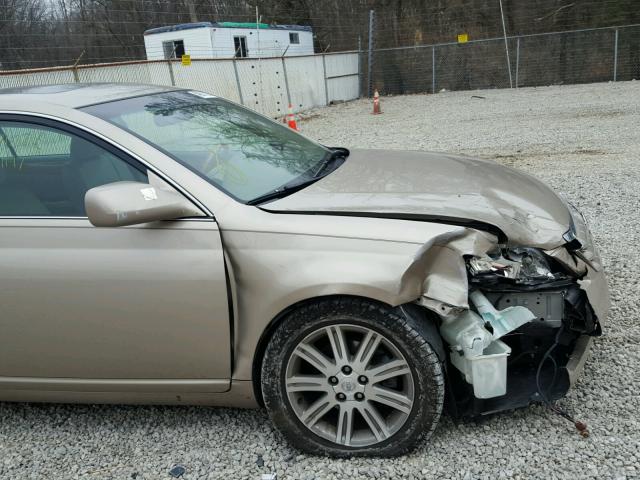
273	271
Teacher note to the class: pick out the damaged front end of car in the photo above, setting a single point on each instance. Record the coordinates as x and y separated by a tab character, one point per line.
527	325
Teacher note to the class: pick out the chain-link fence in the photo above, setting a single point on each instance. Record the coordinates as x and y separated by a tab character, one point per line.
268	85
578	56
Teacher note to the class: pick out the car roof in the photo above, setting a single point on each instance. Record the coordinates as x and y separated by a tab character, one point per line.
76	95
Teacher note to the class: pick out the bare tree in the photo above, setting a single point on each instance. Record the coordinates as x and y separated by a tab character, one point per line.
37	33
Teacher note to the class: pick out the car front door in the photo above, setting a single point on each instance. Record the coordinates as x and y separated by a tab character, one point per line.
84	308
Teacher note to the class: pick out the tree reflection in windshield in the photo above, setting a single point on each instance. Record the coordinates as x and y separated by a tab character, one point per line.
239	151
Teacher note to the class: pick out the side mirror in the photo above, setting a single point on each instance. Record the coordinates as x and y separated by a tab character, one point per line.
131	203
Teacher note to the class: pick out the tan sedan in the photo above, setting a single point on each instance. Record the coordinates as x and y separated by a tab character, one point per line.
166	246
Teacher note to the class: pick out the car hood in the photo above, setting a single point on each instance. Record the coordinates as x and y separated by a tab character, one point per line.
437	187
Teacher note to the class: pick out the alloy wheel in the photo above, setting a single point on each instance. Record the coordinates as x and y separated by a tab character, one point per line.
350	385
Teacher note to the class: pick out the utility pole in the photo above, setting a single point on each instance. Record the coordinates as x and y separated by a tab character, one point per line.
258	32
506	44
370	57
261	109
615	57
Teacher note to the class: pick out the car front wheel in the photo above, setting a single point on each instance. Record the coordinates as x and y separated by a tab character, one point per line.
349	377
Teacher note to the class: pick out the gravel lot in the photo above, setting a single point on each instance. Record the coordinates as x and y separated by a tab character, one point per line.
582	140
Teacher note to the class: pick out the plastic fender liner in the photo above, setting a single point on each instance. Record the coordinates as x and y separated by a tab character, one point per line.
428	325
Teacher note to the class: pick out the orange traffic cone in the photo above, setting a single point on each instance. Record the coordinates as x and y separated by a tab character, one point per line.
291	119
376	103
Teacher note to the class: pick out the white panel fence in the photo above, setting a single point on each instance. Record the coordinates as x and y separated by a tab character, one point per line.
267	85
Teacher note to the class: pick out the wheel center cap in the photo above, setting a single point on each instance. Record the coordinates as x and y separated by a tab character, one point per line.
348	384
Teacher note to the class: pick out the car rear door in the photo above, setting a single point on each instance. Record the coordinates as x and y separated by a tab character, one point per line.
131	308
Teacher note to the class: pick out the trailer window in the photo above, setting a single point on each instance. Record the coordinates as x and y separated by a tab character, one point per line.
173	49
240	45
294	38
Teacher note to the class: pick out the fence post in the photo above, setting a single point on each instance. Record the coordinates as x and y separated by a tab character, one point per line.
286	79
239	87
433	69
506	44
173	78
370	58
359	66
615	58
326	81
517	59
76	77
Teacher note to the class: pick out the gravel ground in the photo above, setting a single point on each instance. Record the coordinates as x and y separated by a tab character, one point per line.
585	142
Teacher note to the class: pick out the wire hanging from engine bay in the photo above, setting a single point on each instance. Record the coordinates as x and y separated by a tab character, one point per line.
580	426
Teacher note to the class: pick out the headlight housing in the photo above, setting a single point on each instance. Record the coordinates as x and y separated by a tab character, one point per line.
579	239
519	265
571	235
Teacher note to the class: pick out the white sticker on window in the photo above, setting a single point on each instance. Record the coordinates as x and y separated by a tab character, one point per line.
149	193
201	94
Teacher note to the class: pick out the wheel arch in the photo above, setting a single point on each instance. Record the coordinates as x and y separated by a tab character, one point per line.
427	319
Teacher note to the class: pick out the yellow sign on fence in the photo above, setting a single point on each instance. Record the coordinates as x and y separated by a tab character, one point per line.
463	37
186	60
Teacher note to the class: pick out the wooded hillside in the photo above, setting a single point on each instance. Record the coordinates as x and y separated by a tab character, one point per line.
39	33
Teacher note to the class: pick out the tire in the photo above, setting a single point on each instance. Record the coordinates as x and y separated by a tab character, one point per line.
389	396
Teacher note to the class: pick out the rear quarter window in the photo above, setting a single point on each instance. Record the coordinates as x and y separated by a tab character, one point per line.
32	142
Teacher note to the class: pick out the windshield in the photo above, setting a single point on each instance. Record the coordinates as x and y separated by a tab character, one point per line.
242	153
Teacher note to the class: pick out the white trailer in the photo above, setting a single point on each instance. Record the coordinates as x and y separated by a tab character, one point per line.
226	40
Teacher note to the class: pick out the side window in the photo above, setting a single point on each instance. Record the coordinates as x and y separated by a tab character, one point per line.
46	172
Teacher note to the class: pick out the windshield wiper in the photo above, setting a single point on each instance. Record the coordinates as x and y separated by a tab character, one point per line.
320	172
336	153
282	191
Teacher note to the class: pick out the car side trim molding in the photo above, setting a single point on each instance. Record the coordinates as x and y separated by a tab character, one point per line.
240	395
114	385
